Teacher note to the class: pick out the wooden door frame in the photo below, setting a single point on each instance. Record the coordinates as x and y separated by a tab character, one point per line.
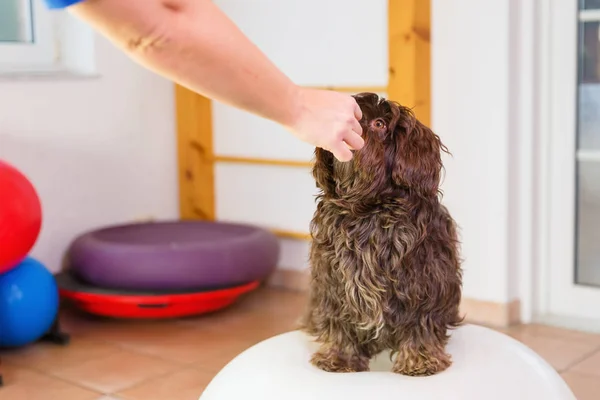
409	82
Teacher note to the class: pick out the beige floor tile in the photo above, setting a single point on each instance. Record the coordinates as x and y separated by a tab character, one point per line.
273	301
190	347
117	371
111	330
589	366
255	325
47	357
24	384
79	323
127	337
535	330
258	327
585	387
221	319
186	384
560	353
276	304
216	359
126	331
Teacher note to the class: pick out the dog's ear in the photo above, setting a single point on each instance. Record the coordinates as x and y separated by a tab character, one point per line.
418	163
323	171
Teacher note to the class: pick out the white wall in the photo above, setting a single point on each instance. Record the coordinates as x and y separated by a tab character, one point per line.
282	197
477	79
99	150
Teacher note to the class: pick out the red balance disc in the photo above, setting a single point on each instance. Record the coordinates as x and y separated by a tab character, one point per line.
139	304
20	216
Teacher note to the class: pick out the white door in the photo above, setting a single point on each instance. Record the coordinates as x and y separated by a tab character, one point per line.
573	149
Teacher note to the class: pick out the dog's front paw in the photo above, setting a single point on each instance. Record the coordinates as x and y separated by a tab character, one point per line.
421	364
333	361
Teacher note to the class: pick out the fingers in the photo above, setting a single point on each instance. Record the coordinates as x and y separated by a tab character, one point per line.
356	127
342	152
351	139
342	149
354	141
357	111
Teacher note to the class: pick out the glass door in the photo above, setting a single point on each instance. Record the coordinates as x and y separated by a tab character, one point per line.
587	268
573	168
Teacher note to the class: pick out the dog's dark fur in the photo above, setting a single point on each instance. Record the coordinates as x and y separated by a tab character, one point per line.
385	260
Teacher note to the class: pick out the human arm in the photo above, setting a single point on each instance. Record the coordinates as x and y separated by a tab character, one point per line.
193	43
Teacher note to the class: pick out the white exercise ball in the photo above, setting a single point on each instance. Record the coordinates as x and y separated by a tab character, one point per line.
486	365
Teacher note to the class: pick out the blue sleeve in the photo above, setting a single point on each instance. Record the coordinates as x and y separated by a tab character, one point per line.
52	4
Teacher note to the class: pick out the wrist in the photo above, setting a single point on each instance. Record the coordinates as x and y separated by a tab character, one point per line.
293	106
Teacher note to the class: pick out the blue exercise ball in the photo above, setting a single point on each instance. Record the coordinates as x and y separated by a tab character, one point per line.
28	303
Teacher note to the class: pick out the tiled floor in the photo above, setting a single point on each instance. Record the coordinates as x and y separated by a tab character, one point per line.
175	360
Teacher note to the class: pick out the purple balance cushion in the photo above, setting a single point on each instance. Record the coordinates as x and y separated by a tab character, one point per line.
174	255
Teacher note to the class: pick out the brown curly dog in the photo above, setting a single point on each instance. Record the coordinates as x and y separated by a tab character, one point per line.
385	267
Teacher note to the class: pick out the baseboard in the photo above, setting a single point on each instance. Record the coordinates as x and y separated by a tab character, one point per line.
497	315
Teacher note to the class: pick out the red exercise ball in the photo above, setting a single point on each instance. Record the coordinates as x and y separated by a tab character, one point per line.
20	216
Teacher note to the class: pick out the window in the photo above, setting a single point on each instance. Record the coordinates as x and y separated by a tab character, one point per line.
34	39
15	21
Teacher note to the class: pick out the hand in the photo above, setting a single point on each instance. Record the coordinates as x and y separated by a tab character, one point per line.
328	120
